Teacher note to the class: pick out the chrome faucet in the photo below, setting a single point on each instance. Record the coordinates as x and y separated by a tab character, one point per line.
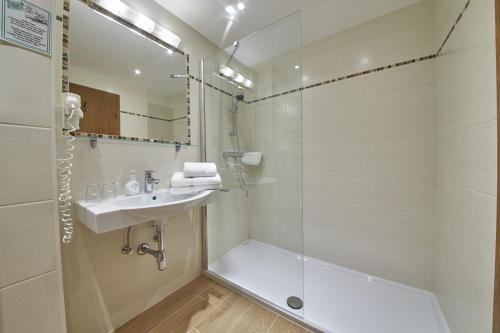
149	181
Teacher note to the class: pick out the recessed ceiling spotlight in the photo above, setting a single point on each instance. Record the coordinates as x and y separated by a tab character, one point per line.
240	6
137	71
296	66
169	51
231	10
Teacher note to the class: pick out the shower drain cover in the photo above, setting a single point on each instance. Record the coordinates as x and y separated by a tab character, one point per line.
294	302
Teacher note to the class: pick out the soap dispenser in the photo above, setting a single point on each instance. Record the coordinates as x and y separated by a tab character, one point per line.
132	187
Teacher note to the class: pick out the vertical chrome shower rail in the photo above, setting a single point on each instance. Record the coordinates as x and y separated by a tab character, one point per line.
203	158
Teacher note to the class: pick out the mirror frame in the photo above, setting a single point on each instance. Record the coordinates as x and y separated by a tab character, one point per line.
120	20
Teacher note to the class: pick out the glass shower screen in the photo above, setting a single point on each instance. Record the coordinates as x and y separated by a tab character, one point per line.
253	123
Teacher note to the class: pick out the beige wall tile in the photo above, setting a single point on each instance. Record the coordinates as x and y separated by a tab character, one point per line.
32	306
454	310
26	164
24	87
404	84
325	160
470	216
28	232
400	196
329	99
473	283
411	120
392	158
401	42
466	166
469	158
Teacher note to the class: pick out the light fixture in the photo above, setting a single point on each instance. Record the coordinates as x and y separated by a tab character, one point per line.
239	78
141	21
137	71
248	83
226	71
228	80
168	36
296	66
115	6
240	6
233	77
144	22
169	51
231	10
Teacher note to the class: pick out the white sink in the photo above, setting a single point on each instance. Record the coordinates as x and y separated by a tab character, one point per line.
124	211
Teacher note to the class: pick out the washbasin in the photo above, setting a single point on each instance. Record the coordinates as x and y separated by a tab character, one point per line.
124	211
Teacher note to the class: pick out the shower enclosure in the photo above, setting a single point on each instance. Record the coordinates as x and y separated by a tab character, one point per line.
252	102
257	226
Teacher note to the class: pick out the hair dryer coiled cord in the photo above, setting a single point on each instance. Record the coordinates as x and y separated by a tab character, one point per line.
64	190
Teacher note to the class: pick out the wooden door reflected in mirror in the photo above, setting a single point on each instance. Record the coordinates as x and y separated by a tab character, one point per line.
102	110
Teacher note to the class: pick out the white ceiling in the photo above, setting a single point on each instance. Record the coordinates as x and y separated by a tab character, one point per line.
320	18
105	47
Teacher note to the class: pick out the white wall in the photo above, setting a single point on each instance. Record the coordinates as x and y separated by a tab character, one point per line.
466	165
31	298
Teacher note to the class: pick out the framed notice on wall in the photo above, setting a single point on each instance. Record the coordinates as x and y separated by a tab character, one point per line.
26	24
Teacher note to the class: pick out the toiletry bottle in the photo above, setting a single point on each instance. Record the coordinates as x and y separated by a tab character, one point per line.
132	187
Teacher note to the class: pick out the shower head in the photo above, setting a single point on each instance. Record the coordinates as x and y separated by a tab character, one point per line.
236	99
239	97
236	45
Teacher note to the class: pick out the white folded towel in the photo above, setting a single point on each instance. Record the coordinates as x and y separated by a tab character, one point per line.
196	169
179	180
252	158
192	189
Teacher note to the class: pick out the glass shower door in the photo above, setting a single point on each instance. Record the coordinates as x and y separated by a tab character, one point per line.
253	123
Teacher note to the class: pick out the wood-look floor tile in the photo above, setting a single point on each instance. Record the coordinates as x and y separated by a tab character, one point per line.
215	294
165	308
256	320
282	325
186	318
225	315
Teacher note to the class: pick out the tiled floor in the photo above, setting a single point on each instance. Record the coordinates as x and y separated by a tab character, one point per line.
206	306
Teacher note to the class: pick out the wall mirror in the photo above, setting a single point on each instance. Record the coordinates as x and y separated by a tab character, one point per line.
132	87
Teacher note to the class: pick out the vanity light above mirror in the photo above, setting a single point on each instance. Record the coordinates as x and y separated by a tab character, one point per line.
141	21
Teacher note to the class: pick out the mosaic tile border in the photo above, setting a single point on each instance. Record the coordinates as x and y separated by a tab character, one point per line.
459	18
65	70
211	86
126	138
346	77
151	117
65	47
374	70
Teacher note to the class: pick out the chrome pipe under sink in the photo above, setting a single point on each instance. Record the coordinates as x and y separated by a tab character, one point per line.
160	254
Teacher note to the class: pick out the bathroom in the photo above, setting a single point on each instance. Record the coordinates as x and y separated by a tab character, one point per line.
249	166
